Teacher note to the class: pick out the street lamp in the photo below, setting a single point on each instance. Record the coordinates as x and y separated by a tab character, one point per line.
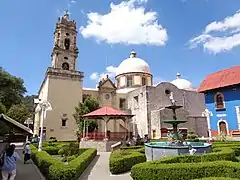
206	113
42	106
28	122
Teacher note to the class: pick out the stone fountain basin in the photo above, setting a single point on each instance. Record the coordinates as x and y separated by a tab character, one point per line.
158	150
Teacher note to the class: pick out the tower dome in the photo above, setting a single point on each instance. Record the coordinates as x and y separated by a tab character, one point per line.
181	83
133	65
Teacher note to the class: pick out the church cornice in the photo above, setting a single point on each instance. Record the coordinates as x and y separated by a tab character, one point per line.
57	49
64	73
61	74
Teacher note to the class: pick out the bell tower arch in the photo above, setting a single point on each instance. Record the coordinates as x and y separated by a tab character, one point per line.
65	51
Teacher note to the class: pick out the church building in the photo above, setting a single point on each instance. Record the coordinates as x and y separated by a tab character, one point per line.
133	92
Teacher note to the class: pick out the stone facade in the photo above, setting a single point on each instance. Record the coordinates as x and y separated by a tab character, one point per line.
148	104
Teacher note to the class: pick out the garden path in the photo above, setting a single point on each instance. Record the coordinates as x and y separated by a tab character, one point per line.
26	171
99	169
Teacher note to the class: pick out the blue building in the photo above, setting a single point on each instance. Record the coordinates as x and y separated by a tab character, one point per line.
222	97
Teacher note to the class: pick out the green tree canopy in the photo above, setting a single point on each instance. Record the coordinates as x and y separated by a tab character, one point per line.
12	89
19	112
88	105
2	108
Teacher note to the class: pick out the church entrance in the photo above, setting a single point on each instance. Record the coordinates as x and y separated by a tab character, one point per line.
223	127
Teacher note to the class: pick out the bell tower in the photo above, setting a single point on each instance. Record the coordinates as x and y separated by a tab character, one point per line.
65	51
62	85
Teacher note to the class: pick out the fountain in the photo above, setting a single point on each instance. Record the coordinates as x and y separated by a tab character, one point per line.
176	146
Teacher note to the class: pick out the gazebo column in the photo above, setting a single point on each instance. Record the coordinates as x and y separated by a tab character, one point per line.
129	127
106	119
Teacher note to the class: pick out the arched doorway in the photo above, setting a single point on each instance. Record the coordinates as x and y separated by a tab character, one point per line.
223	127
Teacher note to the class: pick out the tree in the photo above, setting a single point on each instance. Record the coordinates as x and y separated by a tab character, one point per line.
28	101
88	105
2	108
12	89
19	112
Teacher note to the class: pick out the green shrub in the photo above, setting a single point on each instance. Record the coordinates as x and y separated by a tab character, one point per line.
130	147
217	178
70	158
52	150
123	161
75	167
186	171
189	166
61	152
53	169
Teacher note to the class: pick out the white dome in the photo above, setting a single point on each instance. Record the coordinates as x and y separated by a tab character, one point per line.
133	64
182	83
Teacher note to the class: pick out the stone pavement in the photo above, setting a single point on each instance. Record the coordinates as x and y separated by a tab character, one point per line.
26	171
99	169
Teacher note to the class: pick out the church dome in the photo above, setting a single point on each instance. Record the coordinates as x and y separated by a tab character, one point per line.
133	65
181	83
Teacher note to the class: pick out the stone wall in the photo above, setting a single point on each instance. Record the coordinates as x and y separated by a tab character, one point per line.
101	146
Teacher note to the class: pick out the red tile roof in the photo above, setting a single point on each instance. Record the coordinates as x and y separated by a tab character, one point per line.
106	111
223	78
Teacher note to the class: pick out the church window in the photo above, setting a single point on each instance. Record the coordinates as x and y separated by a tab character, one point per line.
67	34
64	122
58	35
107	96
122	104
219	101
143	81
66	58
65	66
129	81
67	43
136	105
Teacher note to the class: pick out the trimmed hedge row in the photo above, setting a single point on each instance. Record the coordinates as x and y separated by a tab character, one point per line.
53	169
216	178
188	166
123	161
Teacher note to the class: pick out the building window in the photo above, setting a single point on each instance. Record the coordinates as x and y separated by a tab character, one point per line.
65	66
122	103
129	81
66	58
64	122
219	101
67	43
136	102
143	81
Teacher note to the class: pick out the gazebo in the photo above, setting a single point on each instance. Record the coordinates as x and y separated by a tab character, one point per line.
106	114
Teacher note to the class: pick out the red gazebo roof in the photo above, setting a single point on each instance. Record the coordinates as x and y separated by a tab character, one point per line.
223	78
107	111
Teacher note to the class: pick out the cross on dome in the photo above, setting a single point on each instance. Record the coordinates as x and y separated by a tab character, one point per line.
133	54
66	15
178	75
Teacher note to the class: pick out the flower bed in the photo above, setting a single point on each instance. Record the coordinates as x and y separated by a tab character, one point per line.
54	169
217	164
124	160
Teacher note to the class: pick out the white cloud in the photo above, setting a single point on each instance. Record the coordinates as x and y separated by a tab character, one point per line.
219	36
126	23
110	71
71	2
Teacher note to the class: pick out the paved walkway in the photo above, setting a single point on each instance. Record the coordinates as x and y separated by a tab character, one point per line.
99	169
26	171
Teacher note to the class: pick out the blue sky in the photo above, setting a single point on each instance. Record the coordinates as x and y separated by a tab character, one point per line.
192	37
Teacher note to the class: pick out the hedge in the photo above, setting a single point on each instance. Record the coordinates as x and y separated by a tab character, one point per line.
190	166
123	161
53	169
216	178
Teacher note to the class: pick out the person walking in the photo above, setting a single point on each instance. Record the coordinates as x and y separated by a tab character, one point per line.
9	163
27	152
